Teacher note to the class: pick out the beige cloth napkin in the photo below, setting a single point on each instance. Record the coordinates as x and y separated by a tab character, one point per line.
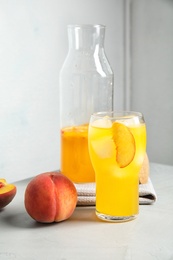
86	193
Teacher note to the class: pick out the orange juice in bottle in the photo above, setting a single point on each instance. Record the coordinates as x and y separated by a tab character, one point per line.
75	160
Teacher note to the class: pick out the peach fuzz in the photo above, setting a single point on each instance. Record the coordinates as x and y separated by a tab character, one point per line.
7	193
50	197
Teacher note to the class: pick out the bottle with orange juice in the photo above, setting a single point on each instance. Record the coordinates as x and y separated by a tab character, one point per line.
86	86
117	145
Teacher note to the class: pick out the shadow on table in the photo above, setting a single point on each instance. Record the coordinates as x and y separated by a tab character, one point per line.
21	219
86	214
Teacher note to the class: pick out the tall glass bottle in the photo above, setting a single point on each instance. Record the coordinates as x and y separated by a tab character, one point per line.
86	86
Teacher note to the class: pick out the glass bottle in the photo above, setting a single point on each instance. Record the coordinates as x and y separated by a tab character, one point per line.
86	86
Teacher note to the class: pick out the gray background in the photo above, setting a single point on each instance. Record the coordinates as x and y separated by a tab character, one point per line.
33	46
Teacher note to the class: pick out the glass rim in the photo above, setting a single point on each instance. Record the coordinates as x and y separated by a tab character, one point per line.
86	26
114	114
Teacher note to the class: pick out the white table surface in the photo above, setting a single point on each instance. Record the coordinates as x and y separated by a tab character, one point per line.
83	236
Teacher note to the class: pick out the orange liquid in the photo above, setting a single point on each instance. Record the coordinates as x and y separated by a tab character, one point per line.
117	189
75	160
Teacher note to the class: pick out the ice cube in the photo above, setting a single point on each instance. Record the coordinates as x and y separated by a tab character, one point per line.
104	122
129	121
104	147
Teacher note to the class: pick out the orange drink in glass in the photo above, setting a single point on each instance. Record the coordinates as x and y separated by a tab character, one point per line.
117	145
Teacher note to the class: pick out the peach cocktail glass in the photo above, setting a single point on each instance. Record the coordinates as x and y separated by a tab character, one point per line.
117	145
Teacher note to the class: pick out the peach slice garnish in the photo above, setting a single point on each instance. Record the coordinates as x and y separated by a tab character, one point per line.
125	144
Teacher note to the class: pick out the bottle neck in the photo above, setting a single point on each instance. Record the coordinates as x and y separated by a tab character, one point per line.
86	37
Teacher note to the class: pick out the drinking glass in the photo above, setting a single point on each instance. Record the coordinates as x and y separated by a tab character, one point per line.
117	145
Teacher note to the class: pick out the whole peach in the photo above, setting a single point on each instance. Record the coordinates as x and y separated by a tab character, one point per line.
50	197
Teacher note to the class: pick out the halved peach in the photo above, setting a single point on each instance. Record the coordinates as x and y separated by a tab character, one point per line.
125	144
7	193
